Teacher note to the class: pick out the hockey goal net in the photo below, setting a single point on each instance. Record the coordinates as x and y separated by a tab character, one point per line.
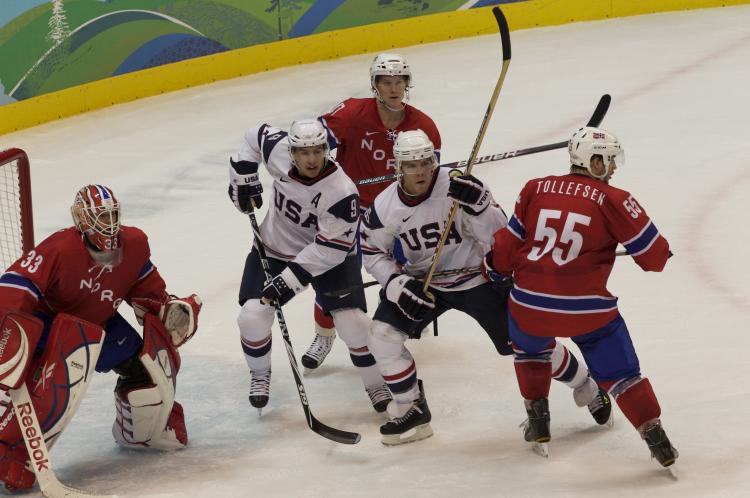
16	220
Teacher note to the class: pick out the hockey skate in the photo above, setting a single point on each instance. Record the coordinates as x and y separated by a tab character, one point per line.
601	409
380	396
260	385
412	426
536	428
659	444
318	351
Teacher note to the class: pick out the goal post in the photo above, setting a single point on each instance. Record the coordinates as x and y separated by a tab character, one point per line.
16	217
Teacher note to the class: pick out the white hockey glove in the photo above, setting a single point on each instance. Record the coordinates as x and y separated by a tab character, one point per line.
179	315
470	193
406	293
283	287
244	185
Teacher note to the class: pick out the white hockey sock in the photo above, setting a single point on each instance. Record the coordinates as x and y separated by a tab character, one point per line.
255	320
566	368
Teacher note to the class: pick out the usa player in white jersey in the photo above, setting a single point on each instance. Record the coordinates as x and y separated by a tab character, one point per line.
309	234
413	210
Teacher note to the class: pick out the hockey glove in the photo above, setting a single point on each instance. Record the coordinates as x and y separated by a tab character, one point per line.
283	287
244	185
406	293
470	193
498	280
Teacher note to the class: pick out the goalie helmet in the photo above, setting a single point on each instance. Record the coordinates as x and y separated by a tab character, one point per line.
96	214
413	145
389	65
588	142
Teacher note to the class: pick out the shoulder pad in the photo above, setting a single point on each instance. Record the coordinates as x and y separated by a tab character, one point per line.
268	141
347	208
371	219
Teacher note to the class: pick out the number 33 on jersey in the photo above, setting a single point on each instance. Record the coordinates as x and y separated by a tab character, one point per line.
560	245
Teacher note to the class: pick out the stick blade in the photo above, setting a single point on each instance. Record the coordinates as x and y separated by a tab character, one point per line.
502	25
337	435
601	110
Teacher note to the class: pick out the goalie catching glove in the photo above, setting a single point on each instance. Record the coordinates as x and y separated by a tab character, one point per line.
469	192
406	293
178	314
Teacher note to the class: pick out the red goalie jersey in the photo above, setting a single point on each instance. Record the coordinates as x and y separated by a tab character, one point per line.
560	246
59	276
364	147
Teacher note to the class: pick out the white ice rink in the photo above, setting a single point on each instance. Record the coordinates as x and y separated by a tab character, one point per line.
679	84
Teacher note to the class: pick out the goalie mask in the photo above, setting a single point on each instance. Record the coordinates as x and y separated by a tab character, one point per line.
389	65
588	142
96	214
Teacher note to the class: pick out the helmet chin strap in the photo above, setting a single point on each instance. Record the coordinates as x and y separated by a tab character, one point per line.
380	100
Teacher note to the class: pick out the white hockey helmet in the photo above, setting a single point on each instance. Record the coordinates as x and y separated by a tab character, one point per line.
389	65
588	141
307	133
413	145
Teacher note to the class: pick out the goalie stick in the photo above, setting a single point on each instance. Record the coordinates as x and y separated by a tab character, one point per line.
33	436
502	24
313	423
596	118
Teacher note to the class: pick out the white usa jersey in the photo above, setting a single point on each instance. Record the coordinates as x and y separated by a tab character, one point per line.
417	226
311	222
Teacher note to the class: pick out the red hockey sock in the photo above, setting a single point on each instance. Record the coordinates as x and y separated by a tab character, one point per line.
323	320
534	378
639	404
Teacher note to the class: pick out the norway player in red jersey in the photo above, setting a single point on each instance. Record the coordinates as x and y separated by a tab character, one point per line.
57	298
560	246
363	130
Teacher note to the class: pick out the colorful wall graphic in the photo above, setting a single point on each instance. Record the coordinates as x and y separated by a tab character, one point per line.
50	45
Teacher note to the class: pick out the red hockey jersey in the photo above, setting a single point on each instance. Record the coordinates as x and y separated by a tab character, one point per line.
560	246
365	147
59	276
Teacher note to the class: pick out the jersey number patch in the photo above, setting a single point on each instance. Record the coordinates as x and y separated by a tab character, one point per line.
569	236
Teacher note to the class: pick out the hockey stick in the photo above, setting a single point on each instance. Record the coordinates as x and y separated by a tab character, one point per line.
313	423
33	436
348	290
596	118
502	24
445	273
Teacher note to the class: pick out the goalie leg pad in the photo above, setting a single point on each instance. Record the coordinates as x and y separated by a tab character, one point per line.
19	335
147	415
57	381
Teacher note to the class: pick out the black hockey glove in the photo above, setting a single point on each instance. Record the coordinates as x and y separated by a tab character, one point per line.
470	193
283	287
406	293
499	281
244	185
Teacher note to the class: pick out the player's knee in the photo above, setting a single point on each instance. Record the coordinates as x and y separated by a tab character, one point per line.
353	326
386	343
255	318
19	334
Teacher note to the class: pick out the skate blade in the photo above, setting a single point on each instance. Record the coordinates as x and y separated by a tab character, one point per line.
416	434
541	449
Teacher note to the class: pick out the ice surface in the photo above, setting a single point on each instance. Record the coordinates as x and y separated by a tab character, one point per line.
679	84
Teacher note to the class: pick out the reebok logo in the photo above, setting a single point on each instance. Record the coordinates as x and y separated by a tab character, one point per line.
38	451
